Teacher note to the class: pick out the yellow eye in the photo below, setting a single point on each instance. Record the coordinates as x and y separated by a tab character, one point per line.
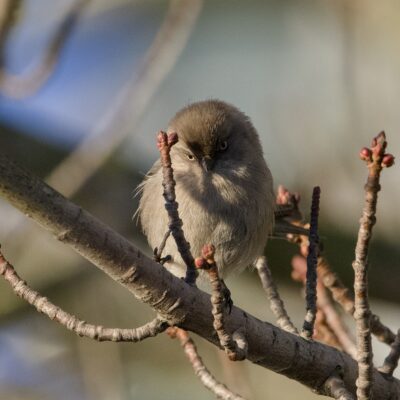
223	145
190	157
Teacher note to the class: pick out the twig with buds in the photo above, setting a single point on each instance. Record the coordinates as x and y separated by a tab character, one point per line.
72	323
276	303
205	376
341	294
234	345
376	159
164	143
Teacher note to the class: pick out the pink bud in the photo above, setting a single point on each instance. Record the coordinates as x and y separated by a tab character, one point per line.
161	140
365	154
208	251
172	138
388	160
200	263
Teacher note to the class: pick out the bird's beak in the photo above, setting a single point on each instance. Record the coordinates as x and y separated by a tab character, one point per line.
207	163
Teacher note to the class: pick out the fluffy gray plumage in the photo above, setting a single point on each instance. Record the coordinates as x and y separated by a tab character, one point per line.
223	188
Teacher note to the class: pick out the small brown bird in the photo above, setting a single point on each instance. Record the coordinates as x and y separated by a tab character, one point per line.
223	187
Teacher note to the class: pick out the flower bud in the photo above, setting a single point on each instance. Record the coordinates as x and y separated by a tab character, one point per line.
388	160
365	154
172	138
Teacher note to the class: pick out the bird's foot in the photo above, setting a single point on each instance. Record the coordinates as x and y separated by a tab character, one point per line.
157	257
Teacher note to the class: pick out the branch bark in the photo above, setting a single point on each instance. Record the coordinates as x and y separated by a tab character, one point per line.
308	362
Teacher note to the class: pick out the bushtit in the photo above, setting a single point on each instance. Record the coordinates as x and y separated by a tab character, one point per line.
223	188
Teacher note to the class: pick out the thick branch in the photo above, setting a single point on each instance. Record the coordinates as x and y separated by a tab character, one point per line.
308	362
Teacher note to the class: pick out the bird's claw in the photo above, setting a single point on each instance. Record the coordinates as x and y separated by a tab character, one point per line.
162	260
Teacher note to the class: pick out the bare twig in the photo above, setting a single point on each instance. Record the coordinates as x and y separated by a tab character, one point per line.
345	298
164	144
391	361
376	159
178	303
19	86
329	316
159	250
234	345
276	303
311	284
205	376
72	323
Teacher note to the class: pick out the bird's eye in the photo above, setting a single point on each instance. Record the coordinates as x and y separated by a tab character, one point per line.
223	145
190	157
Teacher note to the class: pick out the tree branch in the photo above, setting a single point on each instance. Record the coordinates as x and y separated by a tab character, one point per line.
276	303
72	323
376	159
220	390
20	86
308	362
311	278
234	344
164	144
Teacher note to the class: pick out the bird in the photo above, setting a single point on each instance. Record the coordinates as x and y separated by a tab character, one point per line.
224	188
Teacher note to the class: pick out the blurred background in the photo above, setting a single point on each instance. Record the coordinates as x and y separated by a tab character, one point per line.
85	86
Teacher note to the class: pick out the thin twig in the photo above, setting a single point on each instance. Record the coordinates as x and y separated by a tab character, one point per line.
329	316
311	284
20	86
159	250
205	376
392	360
234	345
376	159
345	298
164	144
276	303
341	294
72	323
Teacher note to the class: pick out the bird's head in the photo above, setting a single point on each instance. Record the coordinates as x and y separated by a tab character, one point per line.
214	137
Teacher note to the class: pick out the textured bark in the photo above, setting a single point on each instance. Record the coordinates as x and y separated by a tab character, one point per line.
308	362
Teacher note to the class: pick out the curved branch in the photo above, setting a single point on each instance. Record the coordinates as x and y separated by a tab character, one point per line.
20	86
132	101
72	323
276	303
308	362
